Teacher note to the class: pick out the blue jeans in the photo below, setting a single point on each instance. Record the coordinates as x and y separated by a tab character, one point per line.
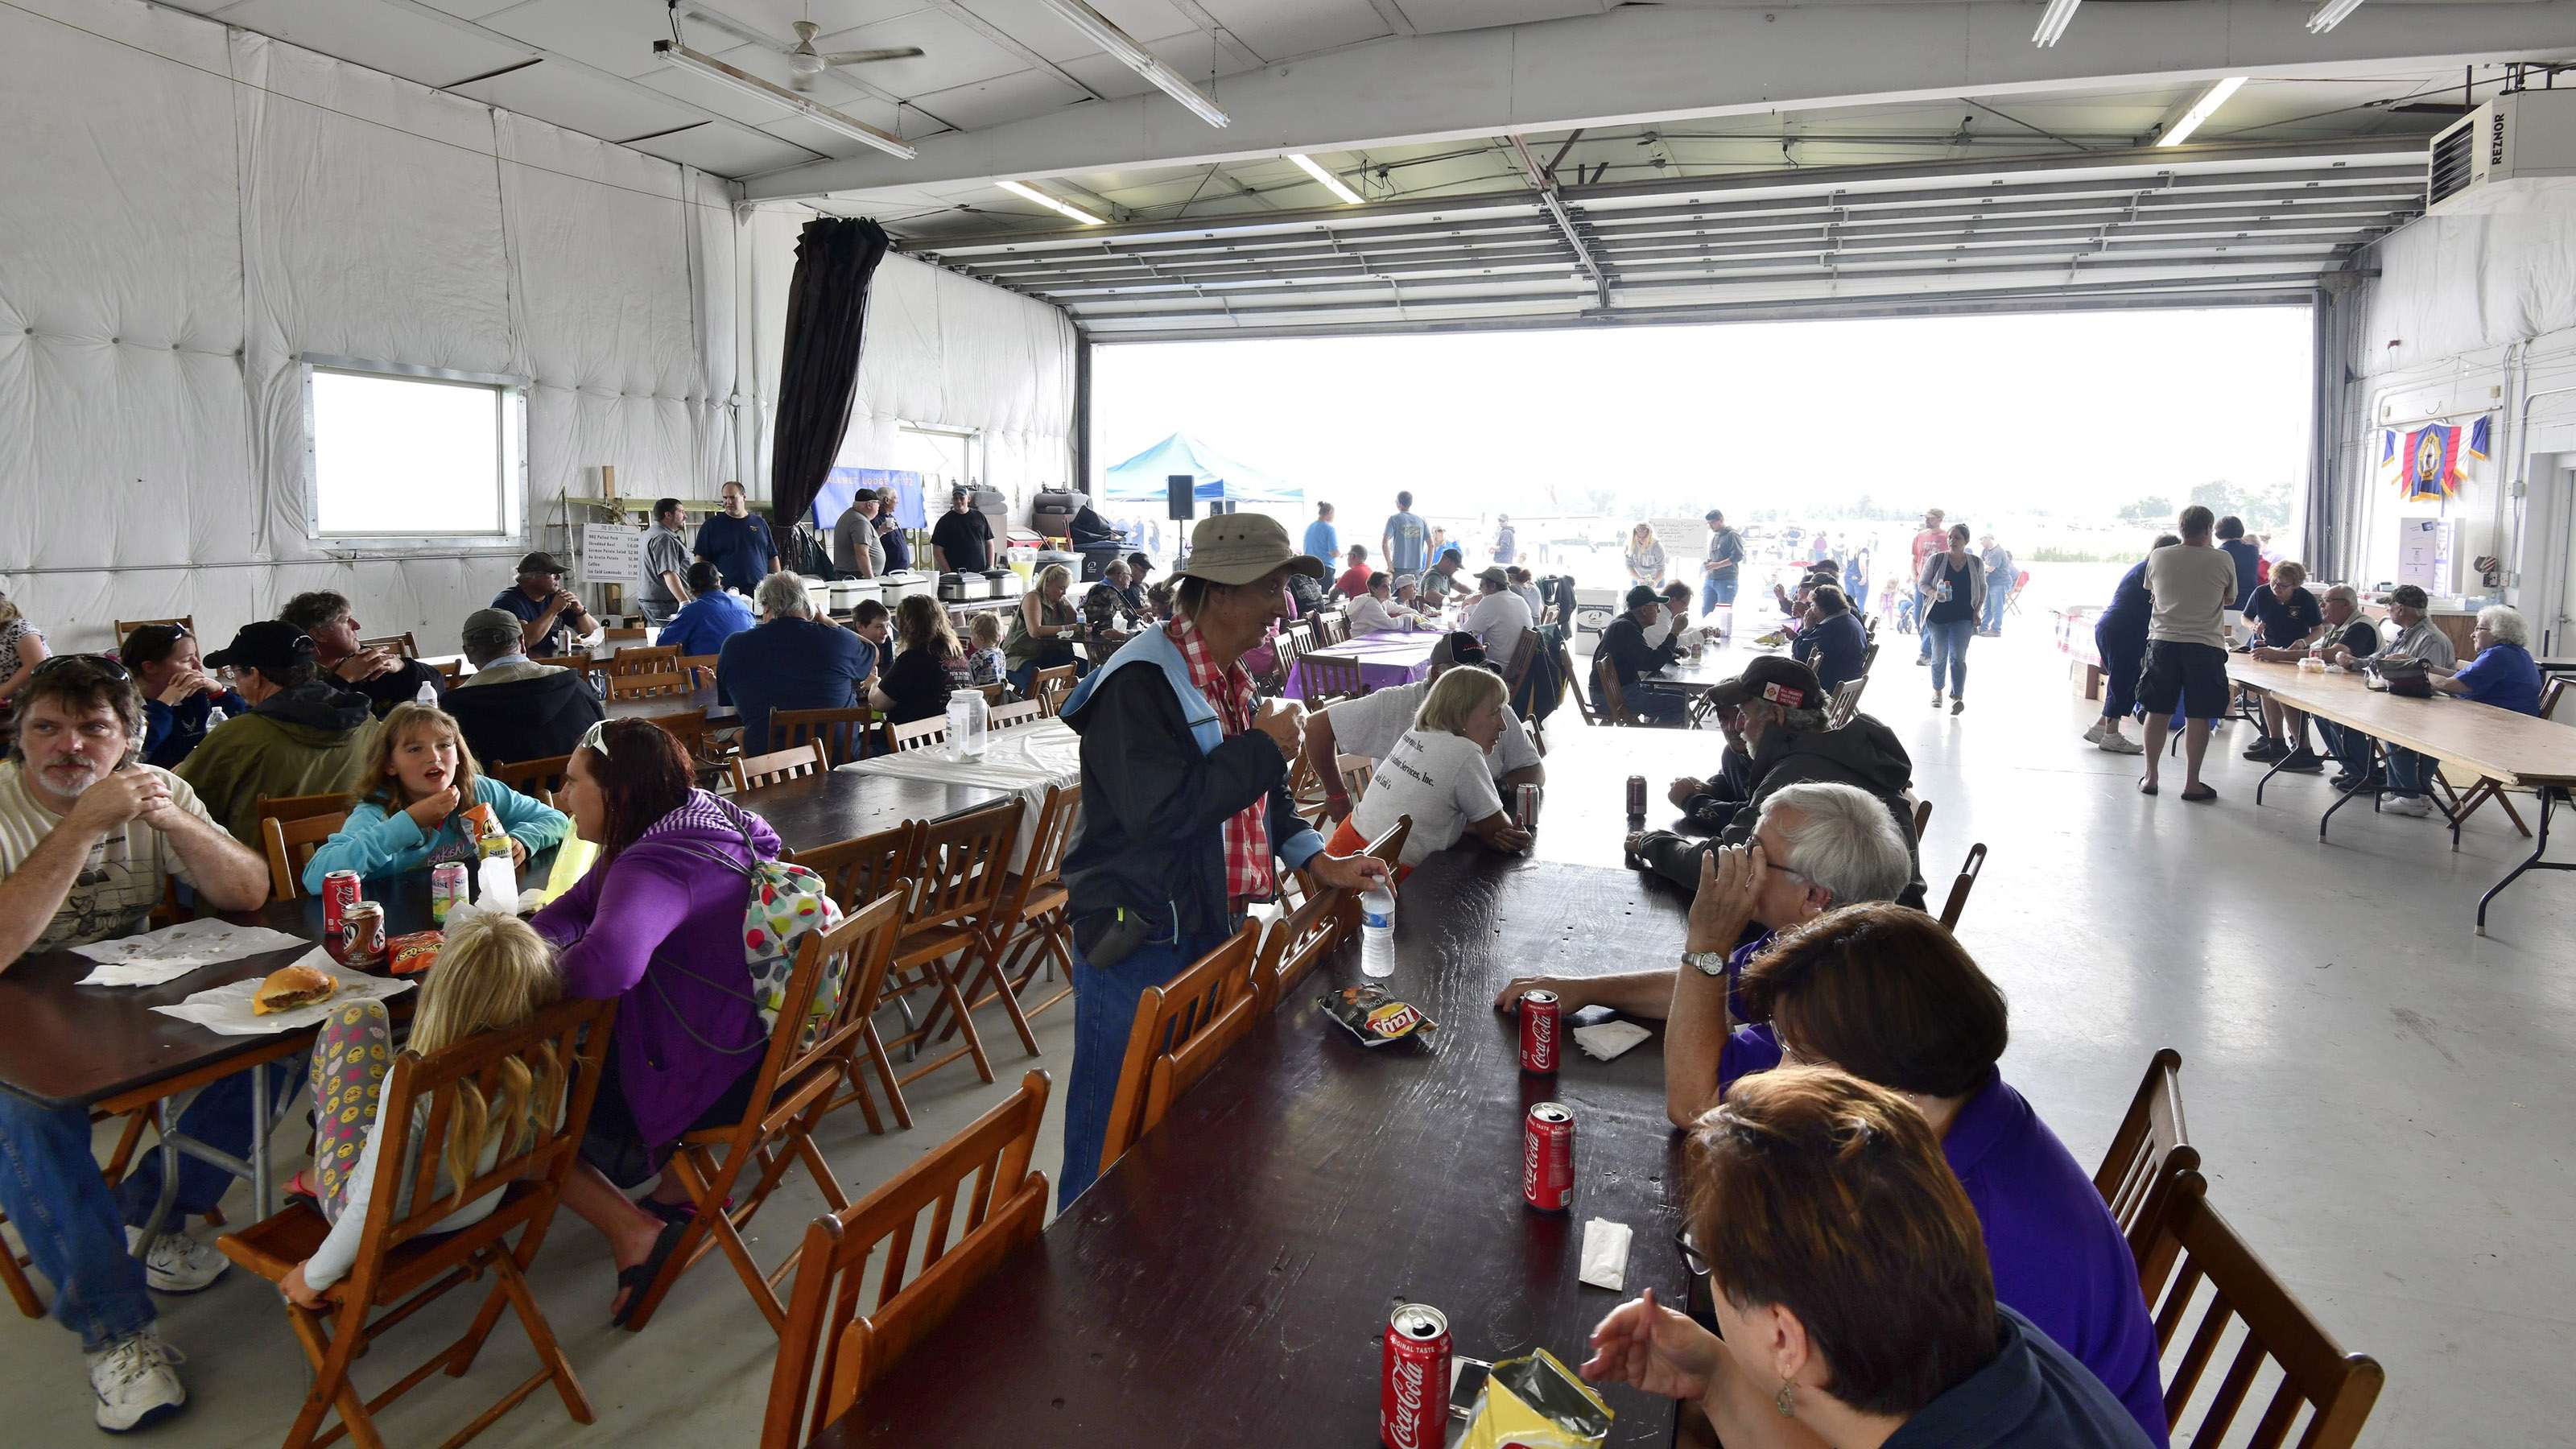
73	1222
1715	589
1104	1016
2408	772
1948	646
1996	594
2350	746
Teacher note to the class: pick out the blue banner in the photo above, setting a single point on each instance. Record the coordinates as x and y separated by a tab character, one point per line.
843	484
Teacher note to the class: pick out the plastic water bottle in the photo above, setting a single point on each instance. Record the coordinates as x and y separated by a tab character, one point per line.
1377	932
427	694
968	720
214	716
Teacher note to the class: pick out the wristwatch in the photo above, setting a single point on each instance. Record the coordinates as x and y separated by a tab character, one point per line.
1711	963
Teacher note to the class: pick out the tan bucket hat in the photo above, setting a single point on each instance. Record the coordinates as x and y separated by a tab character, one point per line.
1239	548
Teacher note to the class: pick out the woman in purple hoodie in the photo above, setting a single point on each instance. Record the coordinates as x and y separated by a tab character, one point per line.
657	923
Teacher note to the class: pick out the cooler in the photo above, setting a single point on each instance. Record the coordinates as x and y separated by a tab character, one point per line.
818	595
846	593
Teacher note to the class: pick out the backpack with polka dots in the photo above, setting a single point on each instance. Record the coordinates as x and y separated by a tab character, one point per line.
784	903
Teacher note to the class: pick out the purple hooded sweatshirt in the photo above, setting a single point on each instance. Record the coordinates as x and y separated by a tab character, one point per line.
660	928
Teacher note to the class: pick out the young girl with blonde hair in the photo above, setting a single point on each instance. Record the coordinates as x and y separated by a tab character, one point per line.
494	973
406	806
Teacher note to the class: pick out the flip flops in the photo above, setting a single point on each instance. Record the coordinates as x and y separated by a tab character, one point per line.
2146	788
638	1279
2204	797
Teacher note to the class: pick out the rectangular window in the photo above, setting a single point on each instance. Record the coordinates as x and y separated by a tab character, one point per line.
414	455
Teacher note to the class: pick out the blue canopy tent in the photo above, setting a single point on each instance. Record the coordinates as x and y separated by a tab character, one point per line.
1141	479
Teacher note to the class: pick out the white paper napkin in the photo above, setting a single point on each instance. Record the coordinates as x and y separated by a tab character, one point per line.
1605	1254
140	973
225	1010
1604	1040
173	951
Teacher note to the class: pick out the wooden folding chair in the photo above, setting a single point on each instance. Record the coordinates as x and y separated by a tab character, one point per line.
808	1058
1285	647
1356	772
407	1259
1182	1026
965	863
398	643
1614	700
756	772
1295	944
1845	701
634	659
1922	816
830	1354
291	844
128	626
2468	802
1012	716
917	734
1967	881
843	732
297	807
2248	1305
530	776
858	873
1050	686
2148	1153
613	633
1030	930
995	694
449	671
1325	679
701	668
657	684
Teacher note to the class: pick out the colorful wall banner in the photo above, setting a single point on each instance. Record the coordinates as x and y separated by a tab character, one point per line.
2426	463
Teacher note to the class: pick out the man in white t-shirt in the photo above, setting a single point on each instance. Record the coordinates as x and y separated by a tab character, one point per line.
2193	585
1497	617
1371	724
90	838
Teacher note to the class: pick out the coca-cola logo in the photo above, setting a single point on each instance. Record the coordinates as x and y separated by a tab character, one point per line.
1542	1030
1530	1154
1407	1428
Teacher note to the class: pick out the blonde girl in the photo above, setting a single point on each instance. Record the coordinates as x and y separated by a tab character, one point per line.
985	664
1645	556
406	808
494	973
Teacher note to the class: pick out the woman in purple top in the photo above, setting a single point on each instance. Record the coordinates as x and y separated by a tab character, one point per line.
657	923
1887	995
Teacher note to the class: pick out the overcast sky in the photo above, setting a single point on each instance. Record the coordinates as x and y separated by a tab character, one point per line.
1989	414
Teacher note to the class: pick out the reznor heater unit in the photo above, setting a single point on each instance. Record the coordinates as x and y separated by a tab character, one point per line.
2487	160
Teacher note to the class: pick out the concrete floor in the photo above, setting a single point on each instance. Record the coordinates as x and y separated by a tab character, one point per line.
2369	1083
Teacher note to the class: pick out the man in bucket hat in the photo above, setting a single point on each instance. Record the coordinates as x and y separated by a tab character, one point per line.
1186	818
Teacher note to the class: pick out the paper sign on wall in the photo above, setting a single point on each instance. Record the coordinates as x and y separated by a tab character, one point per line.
2424	554
611	553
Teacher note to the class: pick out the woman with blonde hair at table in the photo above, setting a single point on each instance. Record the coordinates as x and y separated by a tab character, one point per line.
1437	774
1645	556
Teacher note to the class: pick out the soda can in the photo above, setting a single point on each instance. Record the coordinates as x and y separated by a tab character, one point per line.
446	889
362	934
1541	1019
339	892
1525	806
1547	1158
1637	796
1413	1379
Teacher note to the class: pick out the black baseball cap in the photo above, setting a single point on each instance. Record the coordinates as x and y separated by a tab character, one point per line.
1456	648
1640	595
1774	677
266	644
541	562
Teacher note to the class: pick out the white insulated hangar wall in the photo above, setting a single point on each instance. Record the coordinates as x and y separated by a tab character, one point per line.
186	209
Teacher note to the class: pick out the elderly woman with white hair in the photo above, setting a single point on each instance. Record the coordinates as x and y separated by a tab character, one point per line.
2502	674
1436	773
790	660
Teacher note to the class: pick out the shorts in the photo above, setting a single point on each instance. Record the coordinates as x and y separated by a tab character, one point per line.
2193	675
614	1144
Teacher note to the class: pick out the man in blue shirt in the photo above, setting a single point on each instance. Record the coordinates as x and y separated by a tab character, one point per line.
1321	540
737	543
708	619
2247	557
550	616
1406	539
791	661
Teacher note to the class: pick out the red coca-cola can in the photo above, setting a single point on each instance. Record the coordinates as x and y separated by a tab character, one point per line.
1413	1379
1547	1158
339	892
1637	796
1541	1019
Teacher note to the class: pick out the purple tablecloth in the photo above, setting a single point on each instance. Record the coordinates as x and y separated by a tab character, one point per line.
1385	660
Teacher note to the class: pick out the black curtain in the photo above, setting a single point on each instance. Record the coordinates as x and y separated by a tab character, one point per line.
827	320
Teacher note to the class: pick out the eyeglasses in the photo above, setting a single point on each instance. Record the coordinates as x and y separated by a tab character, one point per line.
114	671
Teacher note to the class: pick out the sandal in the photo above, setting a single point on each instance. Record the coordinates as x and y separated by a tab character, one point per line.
2146	787
638	1279
2204	797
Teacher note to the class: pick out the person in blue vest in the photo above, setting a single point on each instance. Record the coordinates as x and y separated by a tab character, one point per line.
1322	540
1186	818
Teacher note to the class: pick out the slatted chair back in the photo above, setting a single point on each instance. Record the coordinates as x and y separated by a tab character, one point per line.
1324	678
291	844
758	772
530	776
128	626
634	659
981	1200
448	671
856	874
808	1057
658	684
843	732
1285	648
1332	626
393	643
688	726
1012	716
582	663
699	667
296	807
1845	701
917	734
1582	696
1050	686
407	1256
1030	927
995	694
1614	700
1525	651
1296	944
965	864
1969	869
2151	1149
1356	772
1213	999
2230	1298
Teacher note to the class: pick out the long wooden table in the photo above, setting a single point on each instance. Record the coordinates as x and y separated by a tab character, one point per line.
2495	744
1228	1280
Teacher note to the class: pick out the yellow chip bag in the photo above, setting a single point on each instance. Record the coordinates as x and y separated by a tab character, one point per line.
1537	1403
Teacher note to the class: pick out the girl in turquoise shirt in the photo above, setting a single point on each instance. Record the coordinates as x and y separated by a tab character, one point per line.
404	808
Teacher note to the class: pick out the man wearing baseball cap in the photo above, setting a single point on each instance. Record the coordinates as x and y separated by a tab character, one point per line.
1774	718
304	735
550	616
1497	617
1186	819
1624	645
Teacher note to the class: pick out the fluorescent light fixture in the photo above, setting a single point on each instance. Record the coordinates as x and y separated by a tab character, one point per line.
2053	23
751	85
1031	193
1334	184
2202	109
1097	29
2329	15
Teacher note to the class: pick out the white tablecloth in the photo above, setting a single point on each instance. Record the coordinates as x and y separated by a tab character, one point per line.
1024	761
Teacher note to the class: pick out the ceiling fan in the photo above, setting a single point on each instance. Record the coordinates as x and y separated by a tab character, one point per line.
804	62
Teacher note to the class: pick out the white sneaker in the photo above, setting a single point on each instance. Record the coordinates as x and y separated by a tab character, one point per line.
135	1381
2093	736
178	1263
2406	805
2121	745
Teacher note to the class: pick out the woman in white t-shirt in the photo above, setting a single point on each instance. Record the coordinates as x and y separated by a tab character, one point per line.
1437	774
